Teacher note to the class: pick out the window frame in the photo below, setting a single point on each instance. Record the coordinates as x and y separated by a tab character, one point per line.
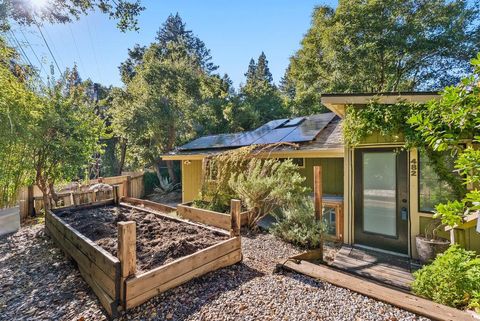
419	209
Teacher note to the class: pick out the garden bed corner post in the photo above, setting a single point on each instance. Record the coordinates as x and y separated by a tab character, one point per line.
126	254
318	191
235	207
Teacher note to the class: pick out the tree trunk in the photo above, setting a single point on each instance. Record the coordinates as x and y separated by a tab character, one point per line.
43	186
171	171
123	153
157	171
53	195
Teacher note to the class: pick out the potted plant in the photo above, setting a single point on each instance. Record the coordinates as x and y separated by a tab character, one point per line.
449	214
430	244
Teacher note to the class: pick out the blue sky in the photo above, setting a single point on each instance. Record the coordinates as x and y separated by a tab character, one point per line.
234	31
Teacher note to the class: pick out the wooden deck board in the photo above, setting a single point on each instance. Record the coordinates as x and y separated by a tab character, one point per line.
384	268
377	291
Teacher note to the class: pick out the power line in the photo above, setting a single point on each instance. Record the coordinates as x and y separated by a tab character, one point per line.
21	48
33	51
23	54
76	48
48	47
94	52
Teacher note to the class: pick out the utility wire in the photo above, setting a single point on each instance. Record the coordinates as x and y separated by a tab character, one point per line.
94	52
48	47
34	53
23	54
21	48
76	48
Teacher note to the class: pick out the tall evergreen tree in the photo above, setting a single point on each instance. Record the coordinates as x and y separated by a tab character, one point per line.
135	57
260	99
174	31
251	71
262	72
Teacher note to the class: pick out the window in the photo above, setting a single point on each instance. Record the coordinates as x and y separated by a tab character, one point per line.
432	190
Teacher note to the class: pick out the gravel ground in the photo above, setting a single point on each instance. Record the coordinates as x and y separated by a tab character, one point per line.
38	283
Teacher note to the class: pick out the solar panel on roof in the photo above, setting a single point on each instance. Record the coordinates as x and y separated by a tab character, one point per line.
249	138
310	128
300	129
293	122
206	142
274	136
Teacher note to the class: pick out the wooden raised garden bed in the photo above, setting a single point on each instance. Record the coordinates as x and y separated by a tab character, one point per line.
217	219
129	253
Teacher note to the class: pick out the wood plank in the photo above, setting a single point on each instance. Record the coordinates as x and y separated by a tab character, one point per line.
469	221
103	259
107	302
107	282
158	276
216	219
105	299
386	294
226	260
173	218
150	204
83	206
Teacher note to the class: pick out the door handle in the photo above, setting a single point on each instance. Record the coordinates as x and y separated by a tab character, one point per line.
404	213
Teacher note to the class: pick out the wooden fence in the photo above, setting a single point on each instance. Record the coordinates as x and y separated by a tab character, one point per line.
130	185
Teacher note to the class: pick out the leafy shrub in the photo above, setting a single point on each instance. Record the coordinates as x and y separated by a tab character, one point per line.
211	206
150	181
266	186
298	225
453	279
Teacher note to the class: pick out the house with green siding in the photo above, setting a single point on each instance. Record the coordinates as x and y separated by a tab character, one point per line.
376	195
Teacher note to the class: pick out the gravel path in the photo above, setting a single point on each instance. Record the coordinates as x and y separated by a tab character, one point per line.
37	283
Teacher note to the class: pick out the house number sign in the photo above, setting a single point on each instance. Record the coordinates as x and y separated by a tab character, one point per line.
413	167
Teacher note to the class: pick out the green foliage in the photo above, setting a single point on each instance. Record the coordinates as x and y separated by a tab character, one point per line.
453	279
259	100
171	96
150	182
268	185
378	46
219	171
450	213
18	103
65	11
444	125
66	135
298	225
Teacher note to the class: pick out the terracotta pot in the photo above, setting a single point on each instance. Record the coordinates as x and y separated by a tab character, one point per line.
428	249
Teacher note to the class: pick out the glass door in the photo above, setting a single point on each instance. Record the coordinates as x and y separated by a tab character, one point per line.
381	203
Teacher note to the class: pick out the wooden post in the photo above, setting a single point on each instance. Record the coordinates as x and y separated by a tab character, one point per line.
127	253
30	201
116	194
94	196
72	199
235	219
127	188
318	191
22	206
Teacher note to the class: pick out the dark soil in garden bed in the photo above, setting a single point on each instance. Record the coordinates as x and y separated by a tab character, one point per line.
159	240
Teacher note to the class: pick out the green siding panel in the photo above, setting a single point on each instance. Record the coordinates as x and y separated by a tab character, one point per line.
332	171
